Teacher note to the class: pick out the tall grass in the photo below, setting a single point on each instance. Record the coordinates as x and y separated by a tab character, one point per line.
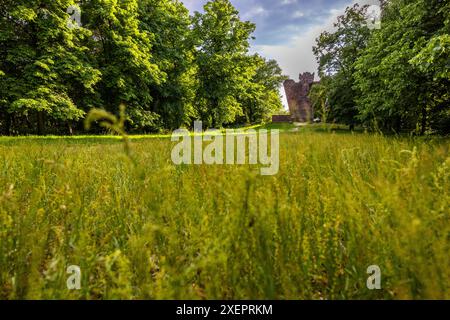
152	230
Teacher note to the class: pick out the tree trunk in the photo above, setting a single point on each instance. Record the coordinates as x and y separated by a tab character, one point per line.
424	121
40	123
70	128
7	124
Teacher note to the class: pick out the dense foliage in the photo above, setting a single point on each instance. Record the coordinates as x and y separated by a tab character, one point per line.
396	78
167	67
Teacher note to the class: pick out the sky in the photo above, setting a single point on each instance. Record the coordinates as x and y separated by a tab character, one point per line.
286	29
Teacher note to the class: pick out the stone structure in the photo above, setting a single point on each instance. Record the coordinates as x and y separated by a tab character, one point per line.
297	96
281	118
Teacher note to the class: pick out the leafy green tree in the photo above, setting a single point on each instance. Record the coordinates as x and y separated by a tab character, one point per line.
400	78
433	61
261	98
123	53
173	51
224	70
336	53
319	100
46	76
167	68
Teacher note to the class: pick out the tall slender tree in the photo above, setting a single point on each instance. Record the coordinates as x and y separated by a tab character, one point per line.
261	98
173	51
123	53
336	53
223	69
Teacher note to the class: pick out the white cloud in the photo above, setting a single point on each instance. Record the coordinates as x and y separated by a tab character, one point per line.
298	14
287	2
257	11
296	56
194	5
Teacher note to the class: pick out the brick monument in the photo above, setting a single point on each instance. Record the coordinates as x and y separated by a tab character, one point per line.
300	106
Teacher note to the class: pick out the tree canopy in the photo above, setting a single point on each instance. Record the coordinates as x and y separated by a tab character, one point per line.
395	78
167	67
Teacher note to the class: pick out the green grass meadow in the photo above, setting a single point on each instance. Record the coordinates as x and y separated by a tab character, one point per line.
147	229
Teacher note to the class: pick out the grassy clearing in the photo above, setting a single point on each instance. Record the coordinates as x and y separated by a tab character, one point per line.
115	138
339	204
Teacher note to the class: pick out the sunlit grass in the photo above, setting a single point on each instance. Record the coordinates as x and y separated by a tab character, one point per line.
148	229
118	137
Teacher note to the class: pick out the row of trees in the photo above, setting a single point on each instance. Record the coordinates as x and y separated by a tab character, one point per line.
166	66
396	78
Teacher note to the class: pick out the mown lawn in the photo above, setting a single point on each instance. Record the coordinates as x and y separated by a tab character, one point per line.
148	229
